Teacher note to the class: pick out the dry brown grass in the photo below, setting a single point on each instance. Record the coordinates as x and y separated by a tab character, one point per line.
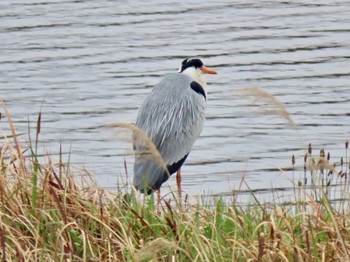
48	214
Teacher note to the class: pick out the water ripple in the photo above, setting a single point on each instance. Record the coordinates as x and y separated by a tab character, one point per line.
93	63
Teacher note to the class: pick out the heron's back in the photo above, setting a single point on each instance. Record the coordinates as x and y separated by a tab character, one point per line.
172	117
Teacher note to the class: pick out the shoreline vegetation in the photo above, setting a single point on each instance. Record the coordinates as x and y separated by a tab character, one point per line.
50	213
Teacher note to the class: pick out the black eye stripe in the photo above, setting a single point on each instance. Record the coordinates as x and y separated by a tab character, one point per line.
191	62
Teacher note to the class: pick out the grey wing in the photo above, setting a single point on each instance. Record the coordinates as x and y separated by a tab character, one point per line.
172	116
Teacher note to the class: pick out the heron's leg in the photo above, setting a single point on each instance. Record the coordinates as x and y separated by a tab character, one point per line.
178	182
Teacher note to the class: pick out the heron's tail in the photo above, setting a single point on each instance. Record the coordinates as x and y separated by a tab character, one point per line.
148	175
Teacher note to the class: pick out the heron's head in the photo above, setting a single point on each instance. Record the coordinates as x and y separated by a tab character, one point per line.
194	68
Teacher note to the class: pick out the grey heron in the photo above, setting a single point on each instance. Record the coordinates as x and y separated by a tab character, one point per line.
172	116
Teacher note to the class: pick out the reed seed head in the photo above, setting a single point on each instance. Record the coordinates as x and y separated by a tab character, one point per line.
309	150
322	153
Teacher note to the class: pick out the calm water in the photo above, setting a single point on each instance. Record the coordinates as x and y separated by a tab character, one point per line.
92	63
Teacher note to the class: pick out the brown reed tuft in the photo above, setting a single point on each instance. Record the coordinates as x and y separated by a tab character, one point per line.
147	149
278	108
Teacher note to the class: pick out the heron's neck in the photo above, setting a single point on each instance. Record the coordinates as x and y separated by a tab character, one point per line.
197	76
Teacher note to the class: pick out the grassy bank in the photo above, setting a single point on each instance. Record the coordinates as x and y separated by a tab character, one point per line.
46	216
49	213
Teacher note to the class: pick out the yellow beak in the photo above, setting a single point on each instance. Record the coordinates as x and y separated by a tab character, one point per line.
207	70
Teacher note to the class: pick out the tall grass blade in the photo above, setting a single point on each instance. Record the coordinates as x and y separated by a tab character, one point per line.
14	136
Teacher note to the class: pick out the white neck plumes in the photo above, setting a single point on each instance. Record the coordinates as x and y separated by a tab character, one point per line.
197	75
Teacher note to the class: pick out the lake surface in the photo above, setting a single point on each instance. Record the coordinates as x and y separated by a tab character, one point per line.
89	64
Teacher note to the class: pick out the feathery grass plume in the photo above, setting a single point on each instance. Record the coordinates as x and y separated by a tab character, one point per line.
14	135
278	108
148	148
149	251
319	163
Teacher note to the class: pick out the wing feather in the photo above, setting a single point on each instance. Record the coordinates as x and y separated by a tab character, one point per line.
172	116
